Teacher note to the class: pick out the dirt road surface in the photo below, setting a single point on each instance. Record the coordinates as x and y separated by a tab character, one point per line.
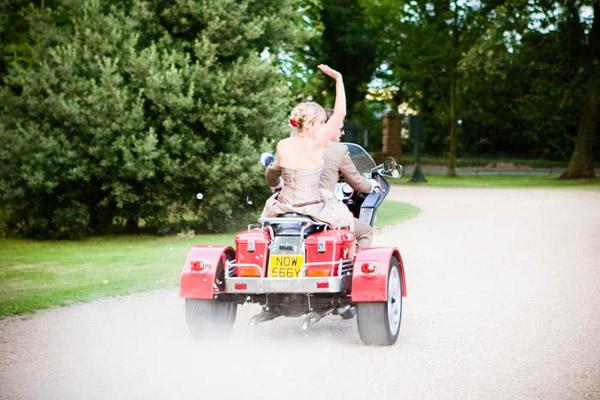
504	303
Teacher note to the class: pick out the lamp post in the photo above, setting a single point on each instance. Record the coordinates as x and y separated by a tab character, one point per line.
416	132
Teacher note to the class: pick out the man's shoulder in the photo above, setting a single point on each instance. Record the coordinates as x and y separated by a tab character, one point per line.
336	148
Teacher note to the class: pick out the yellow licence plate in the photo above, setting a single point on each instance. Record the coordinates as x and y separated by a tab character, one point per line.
285	266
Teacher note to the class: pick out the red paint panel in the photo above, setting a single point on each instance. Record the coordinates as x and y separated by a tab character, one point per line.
402	275
339	243
373	287
260	254
200	285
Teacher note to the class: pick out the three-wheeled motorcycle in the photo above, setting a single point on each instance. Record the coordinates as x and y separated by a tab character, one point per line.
295	266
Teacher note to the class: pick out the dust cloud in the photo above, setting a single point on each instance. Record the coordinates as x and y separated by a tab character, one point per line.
139	347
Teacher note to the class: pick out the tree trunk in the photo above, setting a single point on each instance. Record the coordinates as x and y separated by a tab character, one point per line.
582	164
582	160
131	226
453	135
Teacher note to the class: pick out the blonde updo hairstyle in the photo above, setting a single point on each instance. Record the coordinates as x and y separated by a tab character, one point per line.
305	114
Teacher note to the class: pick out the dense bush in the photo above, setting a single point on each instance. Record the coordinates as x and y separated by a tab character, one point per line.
128	108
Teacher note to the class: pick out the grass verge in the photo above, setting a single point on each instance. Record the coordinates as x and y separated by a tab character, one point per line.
505	181
39	274
408	159
394	212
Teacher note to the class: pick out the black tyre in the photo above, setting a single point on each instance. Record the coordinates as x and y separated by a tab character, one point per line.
379	323
210	318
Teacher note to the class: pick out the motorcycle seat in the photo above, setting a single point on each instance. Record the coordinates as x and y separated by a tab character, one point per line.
296	229
292	224
296	215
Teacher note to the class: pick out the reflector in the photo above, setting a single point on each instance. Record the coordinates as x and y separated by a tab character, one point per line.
315	272
368	268
322	285
348	236
248	272
240	286
199	266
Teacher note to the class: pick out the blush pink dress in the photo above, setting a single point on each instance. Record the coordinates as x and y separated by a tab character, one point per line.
301	194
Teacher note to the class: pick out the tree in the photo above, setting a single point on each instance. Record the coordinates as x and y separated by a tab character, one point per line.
547	56
341	36
131	107
588	56
520	97
514	72
422	44
346	44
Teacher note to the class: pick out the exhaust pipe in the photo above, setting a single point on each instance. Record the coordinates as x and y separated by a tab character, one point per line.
264	316
314	317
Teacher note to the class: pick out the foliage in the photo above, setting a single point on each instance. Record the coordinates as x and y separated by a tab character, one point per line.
129	108
299	66
523	87
342	37
14	46
517	66
422	45
347	45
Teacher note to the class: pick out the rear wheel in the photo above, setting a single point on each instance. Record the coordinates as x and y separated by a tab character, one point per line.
210	318
379	323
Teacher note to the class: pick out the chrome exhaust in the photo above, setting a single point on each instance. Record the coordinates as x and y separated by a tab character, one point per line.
263	316
314	317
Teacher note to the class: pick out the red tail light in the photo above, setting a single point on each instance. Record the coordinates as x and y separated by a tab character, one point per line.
240	286
368	268
322	285
199	266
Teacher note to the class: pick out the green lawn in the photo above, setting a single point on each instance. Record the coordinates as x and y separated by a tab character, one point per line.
504	181
394	212
41	274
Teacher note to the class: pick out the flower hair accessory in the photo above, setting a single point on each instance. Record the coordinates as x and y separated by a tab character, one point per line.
293	122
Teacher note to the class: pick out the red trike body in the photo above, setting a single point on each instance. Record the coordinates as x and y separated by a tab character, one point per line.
331	265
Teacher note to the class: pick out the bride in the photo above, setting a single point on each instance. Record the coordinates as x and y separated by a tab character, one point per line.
300	158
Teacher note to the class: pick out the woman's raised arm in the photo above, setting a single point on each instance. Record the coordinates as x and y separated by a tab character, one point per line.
336	121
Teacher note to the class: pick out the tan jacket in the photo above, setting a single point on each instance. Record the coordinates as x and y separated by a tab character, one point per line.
337	162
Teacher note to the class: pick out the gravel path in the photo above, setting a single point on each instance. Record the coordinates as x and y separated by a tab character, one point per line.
503	304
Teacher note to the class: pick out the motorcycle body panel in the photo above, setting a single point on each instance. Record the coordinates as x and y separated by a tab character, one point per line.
372	287
206	283
252	252
325	249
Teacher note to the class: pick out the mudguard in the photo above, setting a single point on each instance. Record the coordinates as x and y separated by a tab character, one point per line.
203	285
373	287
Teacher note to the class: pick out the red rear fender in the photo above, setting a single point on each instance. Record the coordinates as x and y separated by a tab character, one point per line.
202	285
372	287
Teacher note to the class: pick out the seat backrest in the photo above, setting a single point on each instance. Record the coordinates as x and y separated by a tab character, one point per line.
292	224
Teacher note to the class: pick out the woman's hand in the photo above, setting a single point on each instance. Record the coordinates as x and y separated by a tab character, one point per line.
327	70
